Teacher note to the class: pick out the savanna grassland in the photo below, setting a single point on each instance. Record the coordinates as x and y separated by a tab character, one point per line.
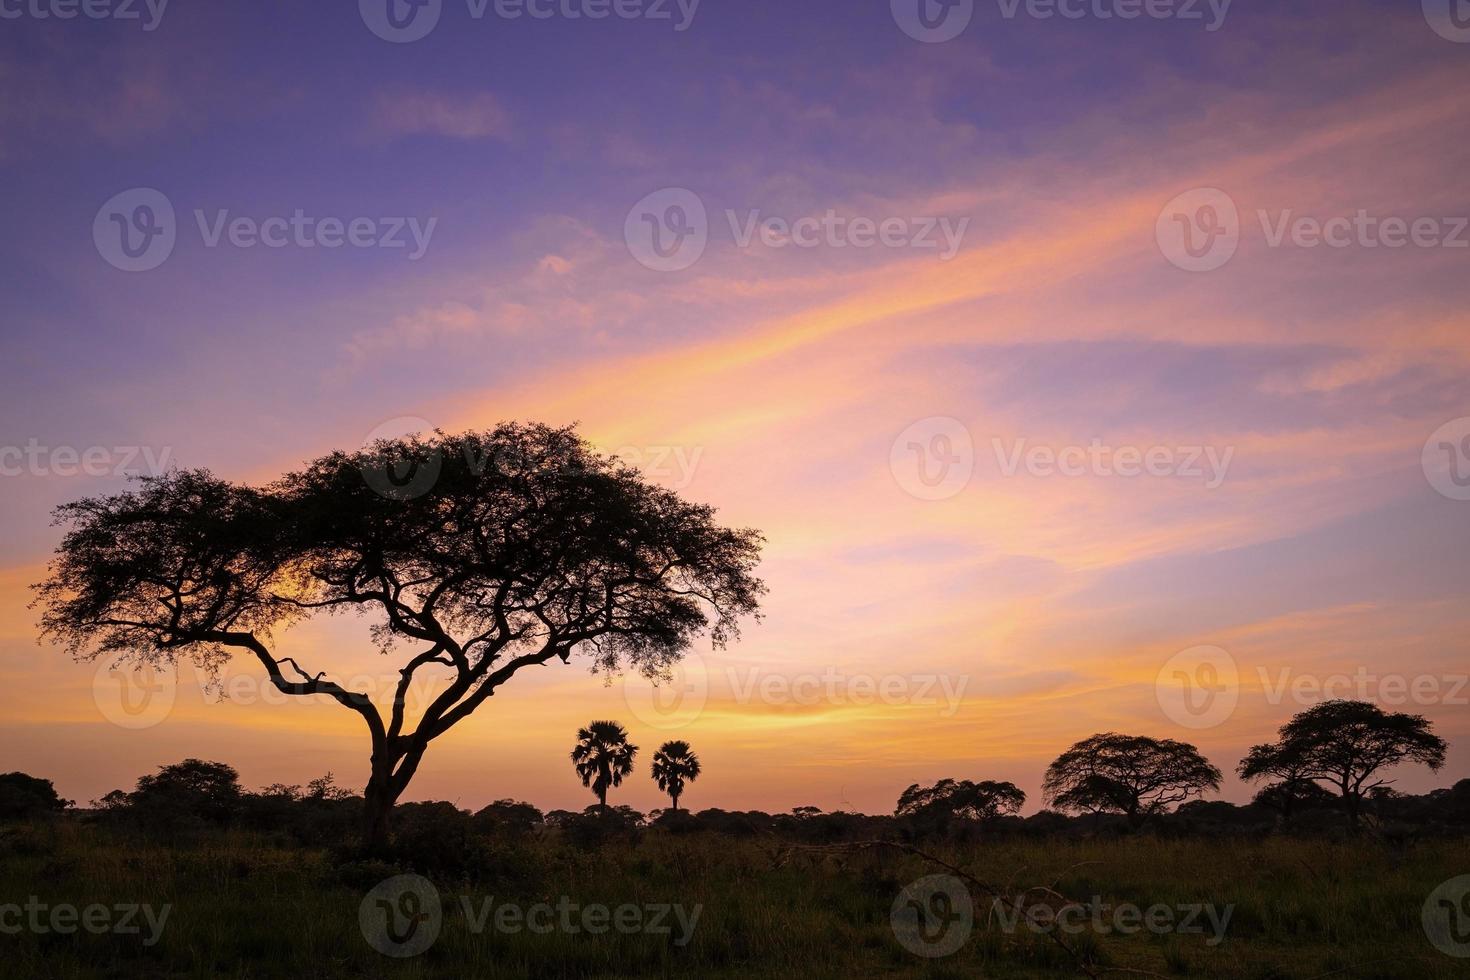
244	905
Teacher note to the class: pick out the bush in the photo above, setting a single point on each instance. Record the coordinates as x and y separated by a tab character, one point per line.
24	797
507	818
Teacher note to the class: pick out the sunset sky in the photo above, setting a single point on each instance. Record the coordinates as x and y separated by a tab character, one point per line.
815	390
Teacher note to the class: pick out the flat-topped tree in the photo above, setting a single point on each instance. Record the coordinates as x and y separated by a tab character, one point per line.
1136	776
485	553
1347	745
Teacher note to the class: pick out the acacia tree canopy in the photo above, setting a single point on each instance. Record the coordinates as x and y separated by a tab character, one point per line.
1128	774
1346	744
484	553
962	798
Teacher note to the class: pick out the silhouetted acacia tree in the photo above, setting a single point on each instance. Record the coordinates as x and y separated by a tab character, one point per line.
674	764
1133	775
1347	744
949	798
489	552
602	757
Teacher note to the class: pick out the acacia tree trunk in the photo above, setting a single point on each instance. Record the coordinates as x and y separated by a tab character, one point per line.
378	800
1353	803
384	788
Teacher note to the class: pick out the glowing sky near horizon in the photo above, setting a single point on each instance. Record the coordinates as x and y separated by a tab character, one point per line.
1020	613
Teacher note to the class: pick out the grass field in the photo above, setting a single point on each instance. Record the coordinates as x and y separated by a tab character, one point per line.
240	906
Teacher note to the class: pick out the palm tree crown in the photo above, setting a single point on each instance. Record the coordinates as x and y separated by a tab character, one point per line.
603	756
673	766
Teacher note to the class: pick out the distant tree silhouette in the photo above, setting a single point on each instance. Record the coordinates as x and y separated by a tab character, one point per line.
208	791
602	757
1292	787
1136	776
489	552
509	818
23	796
674	764
949	798
1347	744
1290	798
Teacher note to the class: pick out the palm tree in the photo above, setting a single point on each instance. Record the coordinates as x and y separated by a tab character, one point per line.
673	766
603	757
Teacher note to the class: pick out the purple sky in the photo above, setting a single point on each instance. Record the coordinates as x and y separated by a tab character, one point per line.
781	381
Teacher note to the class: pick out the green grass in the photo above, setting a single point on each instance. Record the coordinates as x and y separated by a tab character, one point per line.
245	907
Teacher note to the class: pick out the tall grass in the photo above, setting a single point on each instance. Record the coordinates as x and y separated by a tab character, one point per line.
245	907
